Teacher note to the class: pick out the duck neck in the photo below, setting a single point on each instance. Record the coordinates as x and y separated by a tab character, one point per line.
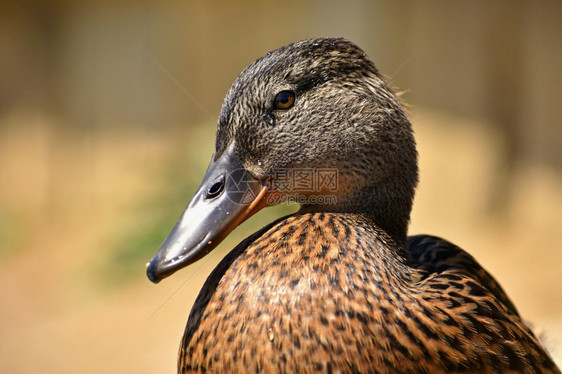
388	212
387	206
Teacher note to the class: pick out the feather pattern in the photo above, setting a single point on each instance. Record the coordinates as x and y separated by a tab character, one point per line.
328	292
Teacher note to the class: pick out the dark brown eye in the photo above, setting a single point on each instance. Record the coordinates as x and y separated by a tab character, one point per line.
284	100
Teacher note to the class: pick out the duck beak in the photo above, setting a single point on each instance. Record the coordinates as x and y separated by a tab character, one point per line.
228	195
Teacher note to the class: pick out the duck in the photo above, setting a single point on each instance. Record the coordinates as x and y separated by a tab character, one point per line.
337	286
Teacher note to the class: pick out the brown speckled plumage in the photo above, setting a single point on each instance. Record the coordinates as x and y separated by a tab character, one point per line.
327	292
339	288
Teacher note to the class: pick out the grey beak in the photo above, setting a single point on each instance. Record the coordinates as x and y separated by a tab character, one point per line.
227	196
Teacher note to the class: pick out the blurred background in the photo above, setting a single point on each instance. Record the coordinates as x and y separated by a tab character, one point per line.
107	118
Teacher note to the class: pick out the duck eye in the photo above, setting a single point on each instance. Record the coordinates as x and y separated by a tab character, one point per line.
284	100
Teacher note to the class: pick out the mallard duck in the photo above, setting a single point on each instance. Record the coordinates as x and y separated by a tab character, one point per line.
337	286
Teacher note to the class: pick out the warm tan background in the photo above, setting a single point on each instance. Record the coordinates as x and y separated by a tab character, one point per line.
107	113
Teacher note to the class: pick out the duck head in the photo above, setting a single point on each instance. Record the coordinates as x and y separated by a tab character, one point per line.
313	120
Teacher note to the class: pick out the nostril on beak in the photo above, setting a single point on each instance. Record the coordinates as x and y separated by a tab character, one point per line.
216	188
